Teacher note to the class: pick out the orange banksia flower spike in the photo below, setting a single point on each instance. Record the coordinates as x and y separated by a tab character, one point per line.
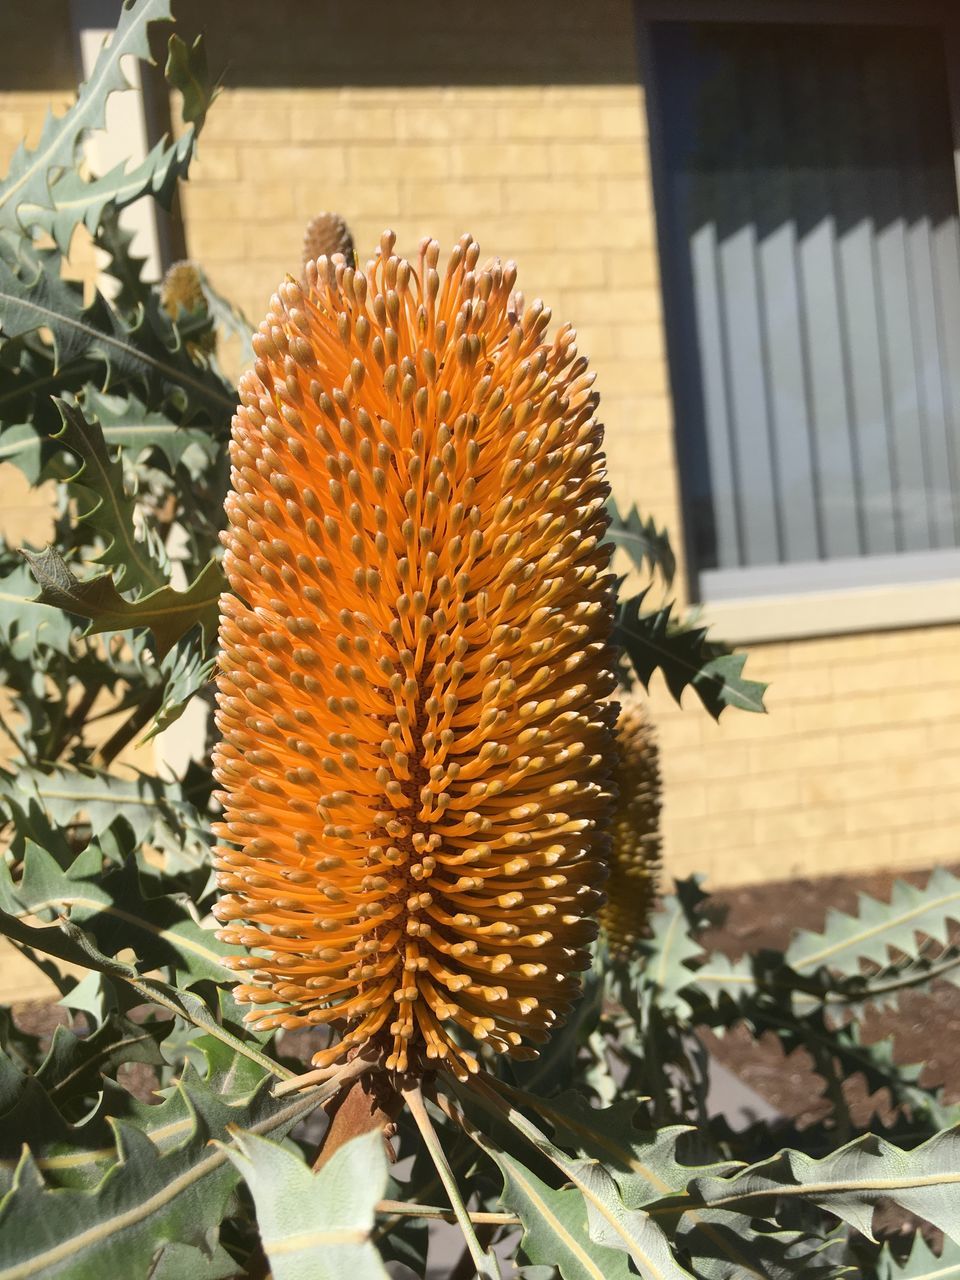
635	830
416	667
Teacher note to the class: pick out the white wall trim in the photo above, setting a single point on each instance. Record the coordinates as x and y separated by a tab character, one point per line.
828	613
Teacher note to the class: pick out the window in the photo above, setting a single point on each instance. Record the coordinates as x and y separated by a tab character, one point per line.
808	209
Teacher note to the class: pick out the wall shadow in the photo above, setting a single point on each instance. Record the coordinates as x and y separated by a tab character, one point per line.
287	43
36	47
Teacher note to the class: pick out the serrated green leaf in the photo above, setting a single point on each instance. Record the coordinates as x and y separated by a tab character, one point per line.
665	956
153	809
646	545
722	1246
687	658
28	381
187	71
26	623
645	1165
849	1182
610	1223
110	510
879	926
126	423
79	200
923	1263
76	199
128	290
74	1064
176	1261
72	944
169	614
34	295
146	1197
111	906
315	1226
31	172
187	671
555	1230
218	1081
720	976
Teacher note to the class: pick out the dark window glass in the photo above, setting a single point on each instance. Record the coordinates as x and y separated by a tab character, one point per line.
811	224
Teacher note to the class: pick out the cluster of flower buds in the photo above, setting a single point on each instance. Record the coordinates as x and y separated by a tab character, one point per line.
416	667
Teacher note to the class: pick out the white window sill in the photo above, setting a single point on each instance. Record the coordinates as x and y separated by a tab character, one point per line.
837	612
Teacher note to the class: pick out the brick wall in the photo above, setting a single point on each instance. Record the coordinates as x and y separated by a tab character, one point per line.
855	768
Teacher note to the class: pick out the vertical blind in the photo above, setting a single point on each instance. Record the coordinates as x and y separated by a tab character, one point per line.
811	217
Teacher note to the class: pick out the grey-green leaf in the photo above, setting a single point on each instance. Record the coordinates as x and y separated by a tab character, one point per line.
647	545
850	1182
610	1223
33	296
654	640
162	930
25	622
109	509
154	810
74	1064
923	1263
315	1226
555	1229
878	927
126	423
168	613
119	1226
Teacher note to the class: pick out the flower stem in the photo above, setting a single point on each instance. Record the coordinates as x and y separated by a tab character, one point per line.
482	1260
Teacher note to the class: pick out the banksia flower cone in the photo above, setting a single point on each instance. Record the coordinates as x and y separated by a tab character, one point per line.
327	234
635	830
182	290
416	734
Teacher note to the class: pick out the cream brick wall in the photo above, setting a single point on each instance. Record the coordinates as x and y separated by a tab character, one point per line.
855	768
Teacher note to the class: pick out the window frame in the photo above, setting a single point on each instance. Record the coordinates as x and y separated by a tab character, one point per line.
752	599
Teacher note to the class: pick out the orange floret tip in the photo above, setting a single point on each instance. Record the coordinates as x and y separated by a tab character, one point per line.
415	668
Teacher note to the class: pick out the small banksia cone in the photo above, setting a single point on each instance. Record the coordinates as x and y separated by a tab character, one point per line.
415	664
327	234
635	830
181	290
182	296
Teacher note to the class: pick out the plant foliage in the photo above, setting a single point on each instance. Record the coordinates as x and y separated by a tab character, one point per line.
152	1133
